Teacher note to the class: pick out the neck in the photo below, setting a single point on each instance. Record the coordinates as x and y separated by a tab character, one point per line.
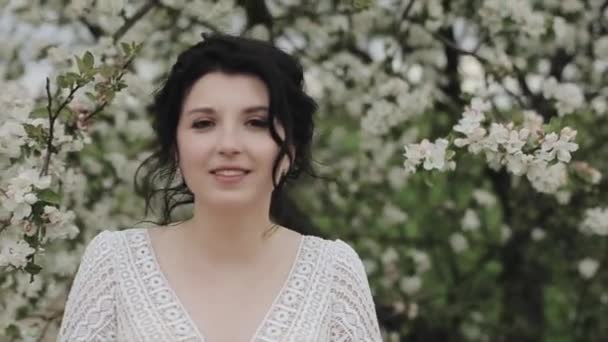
234	236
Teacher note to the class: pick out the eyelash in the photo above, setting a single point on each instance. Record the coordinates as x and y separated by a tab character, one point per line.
257	123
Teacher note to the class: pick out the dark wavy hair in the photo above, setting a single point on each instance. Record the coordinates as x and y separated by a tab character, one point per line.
294	109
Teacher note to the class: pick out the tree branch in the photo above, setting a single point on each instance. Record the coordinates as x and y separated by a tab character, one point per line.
134	19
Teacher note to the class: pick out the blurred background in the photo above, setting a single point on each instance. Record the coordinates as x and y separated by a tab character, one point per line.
466	139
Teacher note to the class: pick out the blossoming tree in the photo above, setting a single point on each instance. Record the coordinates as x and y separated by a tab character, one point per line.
466	138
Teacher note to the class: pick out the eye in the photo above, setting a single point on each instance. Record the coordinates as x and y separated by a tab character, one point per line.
259	123
201	124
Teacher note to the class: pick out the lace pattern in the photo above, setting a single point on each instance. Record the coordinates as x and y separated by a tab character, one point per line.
90	309
121	294
353	314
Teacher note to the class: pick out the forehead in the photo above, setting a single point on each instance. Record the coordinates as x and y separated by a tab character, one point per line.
227	91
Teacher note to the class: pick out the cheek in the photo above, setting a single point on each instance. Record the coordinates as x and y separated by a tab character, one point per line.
192	150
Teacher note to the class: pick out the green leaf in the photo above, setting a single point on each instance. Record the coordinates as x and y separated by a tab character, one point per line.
36	132
120	85
91	96
110	96
100	87
12	331
62	81
32	268
126	48
49	196
428	178
106	71
66	114
72	77
88	60
80	64
554	125
137	47
31	240
40	112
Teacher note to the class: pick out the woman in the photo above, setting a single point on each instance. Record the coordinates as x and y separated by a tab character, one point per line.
220	275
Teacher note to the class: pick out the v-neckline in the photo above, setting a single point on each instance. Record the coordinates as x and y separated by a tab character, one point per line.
177	300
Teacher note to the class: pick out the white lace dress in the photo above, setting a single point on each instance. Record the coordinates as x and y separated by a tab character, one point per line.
120	294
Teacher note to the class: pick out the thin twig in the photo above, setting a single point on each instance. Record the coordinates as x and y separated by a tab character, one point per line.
134	19
52	118
100	107
407	10
48	320
194	19
49	109
49	105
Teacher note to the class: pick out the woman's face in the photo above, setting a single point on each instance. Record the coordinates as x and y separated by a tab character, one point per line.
224	123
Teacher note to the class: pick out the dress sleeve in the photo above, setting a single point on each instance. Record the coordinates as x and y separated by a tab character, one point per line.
352	312
90	311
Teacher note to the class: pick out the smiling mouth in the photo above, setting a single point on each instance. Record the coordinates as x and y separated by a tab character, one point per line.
229	178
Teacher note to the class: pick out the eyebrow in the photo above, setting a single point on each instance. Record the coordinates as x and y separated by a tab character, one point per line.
210	110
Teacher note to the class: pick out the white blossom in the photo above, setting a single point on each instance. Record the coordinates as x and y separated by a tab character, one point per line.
14	252
484	197
471	118
60	224
587	172
470	221
393	214
412	310
505	233
600	48
458	242
595	221
558	146
588	267
12	137
516	140
79	7
474	140
604	298
569	96
421	259
563	196
410	284
518	163
377	121
499	135
389	256
538	234
19	195
433	155
572	6
547	178
494	159
493	13
533	122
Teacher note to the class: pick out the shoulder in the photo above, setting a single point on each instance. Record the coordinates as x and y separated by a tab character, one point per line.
101	242
347	264
337	248
108	240
345	254
341	256
344	250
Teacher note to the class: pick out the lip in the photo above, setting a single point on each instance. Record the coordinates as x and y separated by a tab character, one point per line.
235	168
229	180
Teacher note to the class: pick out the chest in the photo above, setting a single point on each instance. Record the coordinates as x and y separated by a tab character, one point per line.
225	309
288	306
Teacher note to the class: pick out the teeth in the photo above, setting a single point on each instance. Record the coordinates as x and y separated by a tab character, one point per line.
230	172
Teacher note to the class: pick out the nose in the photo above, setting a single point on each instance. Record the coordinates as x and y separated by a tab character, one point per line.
229	141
